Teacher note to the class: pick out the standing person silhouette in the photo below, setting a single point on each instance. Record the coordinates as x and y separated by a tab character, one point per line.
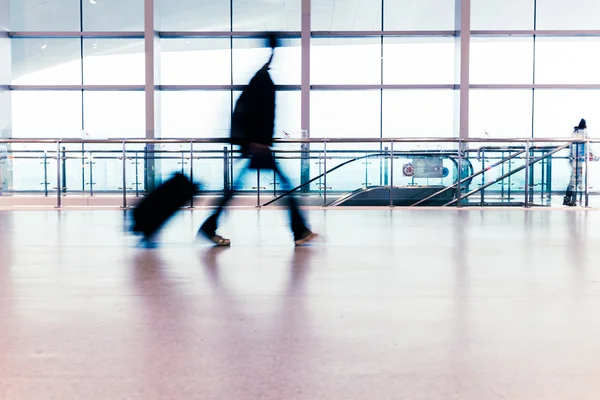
252	128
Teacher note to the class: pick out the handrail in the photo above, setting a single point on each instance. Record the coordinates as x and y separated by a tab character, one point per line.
502	177
312	140
476	174
383	154
319	176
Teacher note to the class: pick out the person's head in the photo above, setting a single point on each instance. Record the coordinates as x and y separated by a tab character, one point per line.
582	125
272	42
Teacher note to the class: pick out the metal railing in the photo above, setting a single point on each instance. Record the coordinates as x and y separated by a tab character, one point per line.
454	146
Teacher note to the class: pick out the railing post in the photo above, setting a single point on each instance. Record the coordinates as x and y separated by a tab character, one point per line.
458	184
258	188
137	175
64	170
527	157
58	181
225	169
587	172
392	174
45	173
192	170
325	172
482	195
91	163
124	175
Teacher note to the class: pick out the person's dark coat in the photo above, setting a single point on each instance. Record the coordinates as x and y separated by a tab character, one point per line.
253	119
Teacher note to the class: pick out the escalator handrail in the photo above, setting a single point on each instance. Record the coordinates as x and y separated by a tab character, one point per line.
385	154
514	171
470	177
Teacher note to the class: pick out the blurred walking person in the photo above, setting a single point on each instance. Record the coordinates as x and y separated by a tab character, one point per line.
252	128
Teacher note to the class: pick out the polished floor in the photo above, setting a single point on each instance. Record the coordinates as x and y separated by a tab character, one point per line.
391	304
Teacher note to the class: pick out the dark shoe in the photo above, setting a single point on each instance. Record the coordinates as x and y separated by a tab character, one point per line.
209	231
213	237
305	237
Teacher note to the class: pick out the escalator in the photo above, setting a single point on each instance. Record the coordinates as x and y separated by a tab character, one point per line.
374	196
427	195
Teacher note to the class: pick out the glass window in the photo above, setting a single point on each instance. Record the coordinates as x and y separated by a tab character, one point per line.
194	15
566	60
418	113
195	114
502	15
46	61
572	14
249	55
558	111
195	62
412	15
490	65
418	60
50	15
345	113
114	114
113	62
46	114
266	15
345	61
500	113
287	114
113	15
327	15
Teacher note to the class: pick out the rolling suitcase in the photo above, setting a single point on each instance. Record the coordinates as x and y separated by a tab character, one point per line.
160	205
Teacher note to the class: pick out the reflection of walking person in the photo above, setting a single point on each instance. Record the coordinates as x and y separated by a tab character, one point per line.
252	128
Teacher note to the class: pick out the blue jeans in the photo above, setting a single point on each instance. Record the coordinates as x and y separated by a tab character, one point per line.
297	221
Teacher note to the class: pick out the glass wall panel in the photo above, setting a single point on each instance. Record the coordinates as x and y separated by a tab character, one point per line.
567	60
51	15
345	61
43	61
572	14
113	62
418	60
195	114
502	15
418	113
501	60
419	15
500	113
46	114
113	15
194	15
266	15
345	114
558	111
249	55
195	62
115	114
327	15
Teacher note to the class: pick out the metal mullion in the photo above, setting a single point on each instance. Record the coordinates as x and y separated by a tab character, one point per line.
538	32
565	86
379	86
98	88
226	34
349	34
74	34
222	87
